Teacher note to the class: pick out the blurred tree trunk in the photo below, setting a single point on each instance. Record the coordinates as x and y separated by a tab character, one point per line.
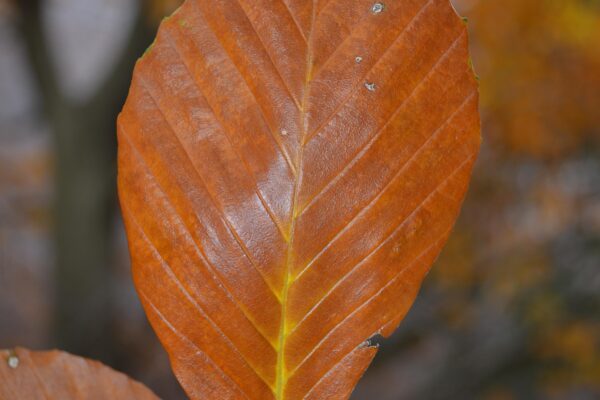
85	198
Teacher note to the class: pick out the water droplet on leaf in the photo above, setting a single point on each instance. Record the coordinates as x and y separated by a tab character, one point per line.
13	362
371	87
377	8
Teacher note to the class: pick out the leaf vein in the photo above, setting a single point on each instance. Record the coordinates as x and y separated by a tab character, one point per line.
402	168
225	131
329	370
295	100
191	342
358	86
201	254
280	144
368	301
213	199
171	274
382	242
296	24
371	141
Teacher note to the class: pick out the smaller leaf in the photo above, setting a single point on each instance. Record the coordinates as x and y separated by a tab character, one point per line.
28	375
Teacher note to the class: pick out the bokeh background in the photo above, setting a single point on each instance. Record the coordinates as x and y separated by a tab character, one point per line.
512	307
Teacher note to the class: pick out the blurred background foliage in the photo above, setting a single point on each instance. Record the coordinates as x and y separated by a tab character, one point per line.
511	309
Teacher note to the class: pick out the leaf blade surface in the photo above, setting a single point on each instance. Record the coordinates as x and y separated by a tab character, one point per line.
288	172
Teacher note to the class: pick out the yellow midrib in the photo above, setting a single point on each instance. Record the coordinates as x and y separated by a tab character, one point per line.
281	378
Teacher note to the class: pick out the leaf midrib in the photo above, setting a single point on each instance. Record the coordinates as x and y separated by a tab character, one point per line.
281	378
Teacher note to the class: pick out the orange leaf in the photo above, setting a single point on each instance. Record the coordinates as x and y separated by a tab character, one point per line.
288	172
56	375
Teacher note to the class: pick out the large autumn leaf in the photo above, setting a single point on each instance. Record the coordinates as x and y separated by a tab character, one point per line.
27	375
288	172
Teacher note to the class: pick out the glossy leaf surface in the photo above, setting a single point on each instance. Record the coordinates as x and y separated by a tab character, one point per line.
288	172
54	375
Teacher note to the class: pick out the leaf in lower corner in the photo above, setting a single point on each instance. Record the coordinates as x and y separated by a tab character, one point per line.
29	375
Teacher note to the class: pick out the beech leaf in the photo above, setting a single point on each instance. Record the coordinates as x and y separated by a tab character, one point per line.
288	172
56	375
